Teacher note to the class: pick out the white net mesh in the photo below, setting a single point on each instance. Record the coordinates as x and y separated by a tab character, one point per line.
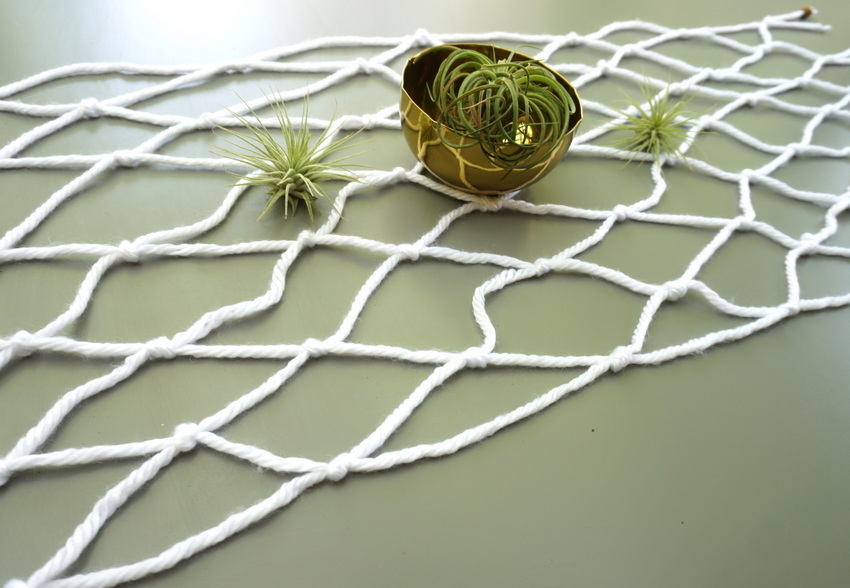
809	98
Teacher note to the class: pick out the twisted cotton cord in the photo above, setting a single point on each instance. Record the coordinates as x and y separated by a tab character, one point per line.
366	456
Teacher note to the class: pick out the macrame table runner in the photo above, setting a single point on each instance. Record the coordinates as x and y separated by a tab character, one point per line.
732	87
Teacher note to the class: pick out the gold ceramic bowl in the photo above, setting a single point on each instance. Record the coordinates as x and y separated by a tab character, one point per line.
467	168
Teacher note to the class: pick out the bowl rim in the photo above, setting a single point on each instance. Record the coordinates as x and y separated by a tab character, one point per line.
407	72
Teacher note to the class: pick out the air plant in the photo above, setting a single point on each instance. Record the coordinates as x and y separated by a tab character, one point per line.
657	129
291	171
517	111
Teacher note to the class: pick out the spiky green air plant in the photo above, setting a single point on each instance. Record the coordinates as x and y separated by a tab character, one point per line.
293	170
657	129
517	111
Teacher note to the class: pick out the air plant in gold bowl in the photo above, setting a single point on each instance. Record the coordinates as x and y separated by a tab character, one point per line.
484	119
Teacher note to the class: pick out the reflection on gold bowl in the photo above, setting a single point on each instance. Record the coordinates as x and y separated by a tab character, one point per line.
466	168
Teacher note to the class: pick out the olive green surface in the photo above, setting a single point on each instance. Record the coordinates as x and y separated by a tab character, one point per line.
730	468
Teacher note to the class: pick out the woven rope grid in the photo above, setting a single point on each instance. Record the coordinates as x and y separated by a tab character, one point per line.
155	454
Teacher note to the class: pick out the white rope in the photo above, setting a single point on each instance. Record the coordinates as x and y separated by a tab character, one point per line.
153	455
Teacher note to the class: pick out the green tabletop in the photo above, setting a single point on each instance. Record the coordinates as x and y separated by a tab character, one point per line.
711	449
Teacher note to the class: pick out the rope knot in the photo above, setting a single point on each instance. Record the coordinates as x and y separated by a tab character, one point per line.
365	66
808	244
474	357
743	223
91	108
795	148
604	67
832	109
186	436
627	50
620	358
387	178
210	119
572	39
338	467
307	238
398	174
22	343
675	290
314	347
491	203
804	83
160	348
367	121
677	89
621	212
542	266
129	252
409	251
718	75
125	158
422	38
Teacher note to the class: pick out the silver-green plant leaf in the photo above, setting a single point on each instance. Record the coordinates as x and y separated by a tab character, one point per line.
292	171
659	128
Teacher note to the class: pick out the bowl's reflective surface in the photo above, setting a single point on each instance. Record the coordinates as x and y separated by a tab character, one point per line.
467	168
